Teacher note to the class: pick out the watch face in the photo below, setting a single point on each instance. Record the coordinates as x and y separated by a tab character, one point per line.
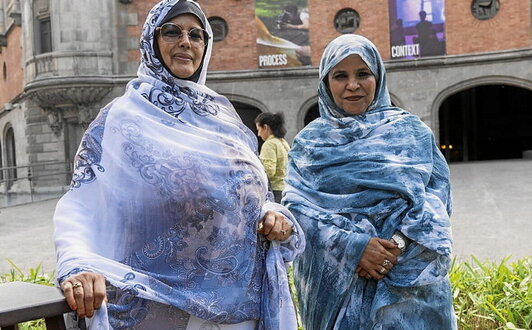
400	242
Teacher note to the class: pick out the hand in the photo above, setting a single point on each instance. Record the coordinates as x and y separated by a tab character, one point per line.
274	226
378	258
84	292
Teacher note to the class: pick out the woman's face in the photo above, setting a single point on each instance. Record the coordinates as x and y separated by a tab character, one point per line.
352	85
182	57
263	131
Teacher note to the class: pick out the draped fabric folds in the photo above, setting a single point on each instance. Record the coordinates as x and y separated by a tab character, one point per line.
164	202
351	178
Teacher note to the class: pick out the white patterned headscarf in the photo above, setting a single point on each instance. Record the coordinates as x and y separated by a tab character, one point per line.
165	198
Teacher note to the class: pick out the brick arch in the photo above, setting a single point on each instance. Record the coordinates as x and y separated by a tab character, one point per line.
247	100
467	84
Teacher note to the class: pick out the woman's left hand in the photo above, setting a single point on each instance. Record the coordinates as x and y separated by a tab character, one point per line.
274	226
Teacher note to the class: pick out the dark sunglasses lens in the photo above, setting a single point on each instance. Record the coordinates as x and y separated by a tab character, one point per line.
196	34
171	31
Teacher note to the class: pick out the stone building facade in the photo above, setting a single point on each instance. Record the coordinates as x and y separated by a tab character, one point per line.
62	60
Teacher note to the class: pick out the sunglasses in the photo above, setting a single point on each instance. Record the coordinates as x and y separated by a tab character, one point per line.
172	33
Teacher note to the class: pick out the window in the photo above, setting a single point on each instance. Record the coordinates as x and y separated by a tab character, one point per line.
484	9
346	21
1	171
45	35
11	159
219	28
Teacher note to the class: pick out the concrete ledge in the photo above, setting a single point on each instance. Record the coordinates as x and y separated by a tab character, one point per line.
23	301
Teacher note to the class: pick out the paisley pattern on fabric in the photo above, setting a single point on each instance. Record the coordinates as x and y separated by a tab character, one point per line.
169	191
351	178
89	155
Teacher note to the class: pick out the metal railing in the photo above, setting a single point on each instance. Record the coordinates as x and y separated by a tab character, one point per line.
39	181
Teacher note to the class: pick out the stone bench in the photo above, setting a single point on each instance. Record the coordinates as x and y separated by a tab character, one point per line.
21	302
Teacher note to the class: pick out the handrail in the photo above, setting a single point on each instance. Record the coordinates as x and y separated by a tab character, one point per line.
25	184
23	302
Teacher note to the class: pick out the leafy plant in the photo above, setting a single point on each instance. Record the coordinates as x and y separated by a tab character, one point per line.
486	295
492	296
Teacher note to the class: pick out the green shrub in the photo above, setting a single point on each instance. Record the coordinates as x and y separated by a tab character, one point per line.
34	275
486	295
492	295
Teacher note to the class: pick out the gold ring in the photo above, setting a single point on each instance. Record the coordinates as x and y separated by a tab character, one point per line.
386	262
76	285
383	270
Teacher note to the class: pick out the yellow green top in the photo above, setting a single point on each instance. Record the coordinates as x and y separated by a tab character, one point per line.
274	156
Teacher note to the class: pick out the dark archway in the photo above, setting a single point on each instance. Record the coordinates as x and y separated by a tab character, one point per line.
248	113
1	163
11	158
312	113
485	123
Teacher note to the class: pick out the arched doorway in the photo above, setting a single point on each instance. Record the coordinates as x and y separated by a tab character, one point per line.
11	159
248	113
486	122
1	163
312	113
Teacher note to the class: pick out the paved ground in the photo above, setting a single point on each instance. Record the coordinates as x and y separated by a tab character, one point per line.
492	217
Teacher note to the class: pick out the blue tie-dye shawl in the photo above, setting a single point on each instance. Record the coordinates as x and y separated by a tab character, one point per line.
351	178
165	199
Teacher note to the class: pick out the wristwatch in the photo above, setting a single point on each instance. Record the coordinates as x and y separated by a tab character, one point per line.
401	242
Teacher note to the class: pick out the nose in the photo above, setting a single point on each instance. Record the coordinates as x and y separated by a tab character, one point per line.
184	40
353	83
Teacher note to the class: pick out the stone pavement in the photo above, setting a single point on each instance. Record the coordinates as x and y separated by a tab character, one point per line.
492	217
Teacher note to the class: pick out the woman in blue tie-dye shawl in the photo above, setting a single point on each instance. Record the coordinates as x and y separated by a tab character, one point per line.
166	198
371	191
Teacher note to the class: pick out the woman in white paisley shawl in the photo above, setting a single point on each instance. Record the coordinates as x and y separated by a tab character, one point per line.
166	224
371	191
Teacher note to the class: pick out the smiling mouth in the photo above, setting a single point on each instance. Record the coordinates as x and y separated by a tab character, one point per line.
354	98
182	57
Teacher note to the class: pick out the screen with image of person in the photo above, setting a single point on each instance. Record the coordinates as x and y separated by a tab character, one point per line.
417	28
283	33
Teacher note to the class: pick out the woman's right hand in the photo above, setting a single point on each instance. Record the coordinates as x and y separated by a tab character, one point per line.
373	263
84	292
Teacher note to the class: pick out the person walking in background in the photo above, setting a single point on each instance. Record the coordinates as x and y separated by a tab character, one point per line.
167	223
273	155
371	190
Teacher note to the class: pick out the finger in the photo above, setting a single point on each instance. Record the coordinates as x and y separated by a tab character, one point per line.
364	273
275	232
268	222
78	296
387	264
388	243
375	274
286	229
66	286
99	292
390	257
88	297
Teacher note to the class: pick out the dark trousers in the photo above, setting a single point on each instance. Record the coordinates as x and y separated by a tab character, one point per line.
277	194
